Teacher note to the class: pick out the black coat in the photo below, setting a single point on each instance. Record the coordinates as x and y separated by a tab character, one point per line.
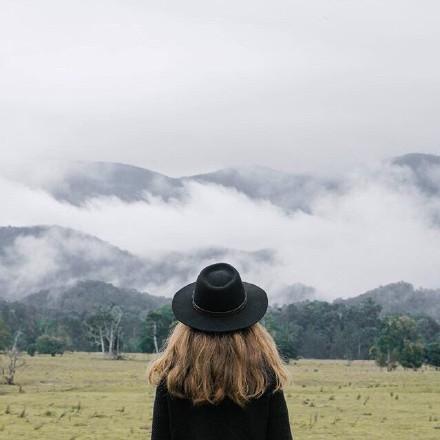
265	418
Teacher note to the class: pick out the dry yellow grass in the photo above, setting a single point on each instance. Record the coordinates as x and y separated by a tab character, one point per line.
82	396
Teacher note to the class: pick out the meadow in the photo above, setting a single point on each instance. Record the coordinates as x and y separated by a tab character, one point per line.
83	396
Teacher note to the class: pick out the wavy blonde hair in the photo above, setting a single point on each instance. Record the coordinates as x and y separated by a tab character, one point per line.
207	367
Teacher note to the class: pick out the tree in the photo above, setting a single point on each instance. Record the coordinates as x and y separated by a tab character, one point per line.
428	328
46	344
19	318
365	324
96	328
285	333
432	354
105	330
5	335
156	329
13	361
286	343
398	342
412	355
31	349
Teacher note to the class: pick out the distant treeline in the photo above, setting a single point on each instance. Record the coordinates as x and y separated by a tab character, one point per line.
309	329
318	329
89	316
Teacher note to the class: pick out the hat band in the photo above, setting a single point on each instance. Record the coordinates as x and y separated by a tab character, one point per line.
221	313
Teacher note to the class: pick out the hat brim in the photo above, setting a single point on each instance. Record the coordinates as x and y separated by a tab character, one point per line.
252	312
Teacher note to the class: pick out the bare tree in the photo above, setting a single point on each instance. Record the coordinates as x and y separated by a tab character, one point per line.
13	361
112	327
95	330
156	347
105	330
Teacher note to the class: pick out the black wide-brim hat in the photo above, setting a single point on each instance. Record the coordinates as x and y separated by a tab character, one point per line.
219	301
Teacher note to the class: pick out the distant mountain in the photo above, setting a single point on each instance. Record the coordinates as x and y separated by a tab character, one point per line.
294	293
53	258
425	170
83	181
402	298
86	297
80	182
417	160
289	191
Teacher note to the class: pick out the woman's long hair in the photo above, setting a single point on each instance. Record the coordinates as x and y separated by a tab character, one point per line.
207	367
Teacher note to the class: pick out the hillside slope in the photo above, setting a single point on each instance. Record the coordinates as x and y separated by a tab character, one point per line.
402	298
54	258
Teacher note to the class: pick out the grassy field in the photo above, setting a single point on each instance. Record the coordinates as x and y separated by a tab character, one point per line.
82	396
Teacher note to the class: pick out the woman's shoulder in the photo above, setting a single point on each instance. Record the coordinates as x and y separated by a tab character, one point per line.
272	382
162	390
271	376
161	387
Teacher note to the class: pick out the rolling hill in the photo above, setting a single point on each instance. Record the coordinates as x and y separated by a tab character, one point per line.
87	297
81	182
55	258
402	298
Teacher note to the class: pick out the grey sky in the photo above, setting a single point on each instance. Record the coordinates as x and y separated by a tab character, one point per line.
186	87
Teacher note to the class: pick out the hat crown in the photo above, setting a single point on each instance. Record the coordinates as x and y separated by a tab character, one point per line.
219	289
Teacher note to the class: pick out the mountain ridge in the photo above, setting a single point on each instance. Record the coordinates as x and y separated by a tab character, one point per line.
83	181
401	297
48	257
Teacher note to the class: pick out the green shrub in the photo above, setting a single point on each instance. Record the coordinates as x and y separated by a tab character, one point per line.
31	349
50	345
432	354
412	355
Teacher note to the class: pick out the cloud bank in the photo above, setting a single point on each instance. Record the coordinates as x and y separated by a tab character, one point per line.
379	229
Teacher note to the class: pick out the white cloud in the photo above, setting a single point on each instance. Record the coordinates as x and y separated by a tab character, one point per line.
378	230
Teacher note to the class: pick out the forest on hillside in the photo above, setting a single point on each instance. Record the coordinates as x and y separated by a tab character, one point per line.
95	316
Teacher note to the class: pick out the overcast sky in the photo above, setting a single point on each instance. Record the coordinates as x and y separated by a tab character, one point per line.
189	86
185	87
